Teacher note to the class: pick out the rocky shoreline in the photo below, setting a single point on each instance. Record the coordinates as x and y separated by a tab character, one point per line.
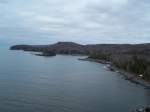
143	109
128	76
133	58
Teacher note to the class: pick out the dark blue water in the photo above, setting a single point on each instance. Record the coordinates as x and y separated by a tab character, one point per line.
30	83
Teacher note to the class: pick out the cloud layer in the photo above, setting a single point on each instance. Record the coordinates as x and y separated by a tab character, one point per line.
89	21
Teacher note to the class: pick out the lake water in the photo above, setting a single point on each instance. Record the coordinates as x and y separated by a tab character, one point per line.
30	83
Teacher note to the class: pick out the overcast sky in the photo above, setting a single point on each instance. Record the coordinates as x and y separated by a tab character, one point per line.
83	21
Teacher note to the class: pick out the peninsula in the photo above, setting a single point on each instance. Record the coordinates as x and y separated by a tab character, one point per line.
132	58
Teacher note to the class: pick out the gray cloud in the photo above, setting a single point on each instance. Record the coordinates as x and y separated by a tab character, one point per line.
3	1
96	21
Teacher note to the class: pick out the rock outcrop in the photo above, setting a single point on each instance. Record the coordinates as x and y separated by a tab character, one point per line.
144	109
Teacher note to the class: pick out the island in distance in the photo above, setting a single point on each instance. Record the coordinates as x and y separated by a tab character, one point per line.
132	58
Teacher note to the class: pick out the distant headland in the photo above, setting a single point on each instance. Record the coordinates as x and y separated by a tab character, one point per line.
132	58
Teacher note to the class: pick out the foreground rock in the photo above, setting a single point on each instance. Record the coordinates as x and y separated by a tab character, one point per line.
144	109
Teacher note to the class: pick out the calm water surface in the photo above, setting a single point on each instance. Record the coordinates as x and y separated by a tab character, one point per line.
30	83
